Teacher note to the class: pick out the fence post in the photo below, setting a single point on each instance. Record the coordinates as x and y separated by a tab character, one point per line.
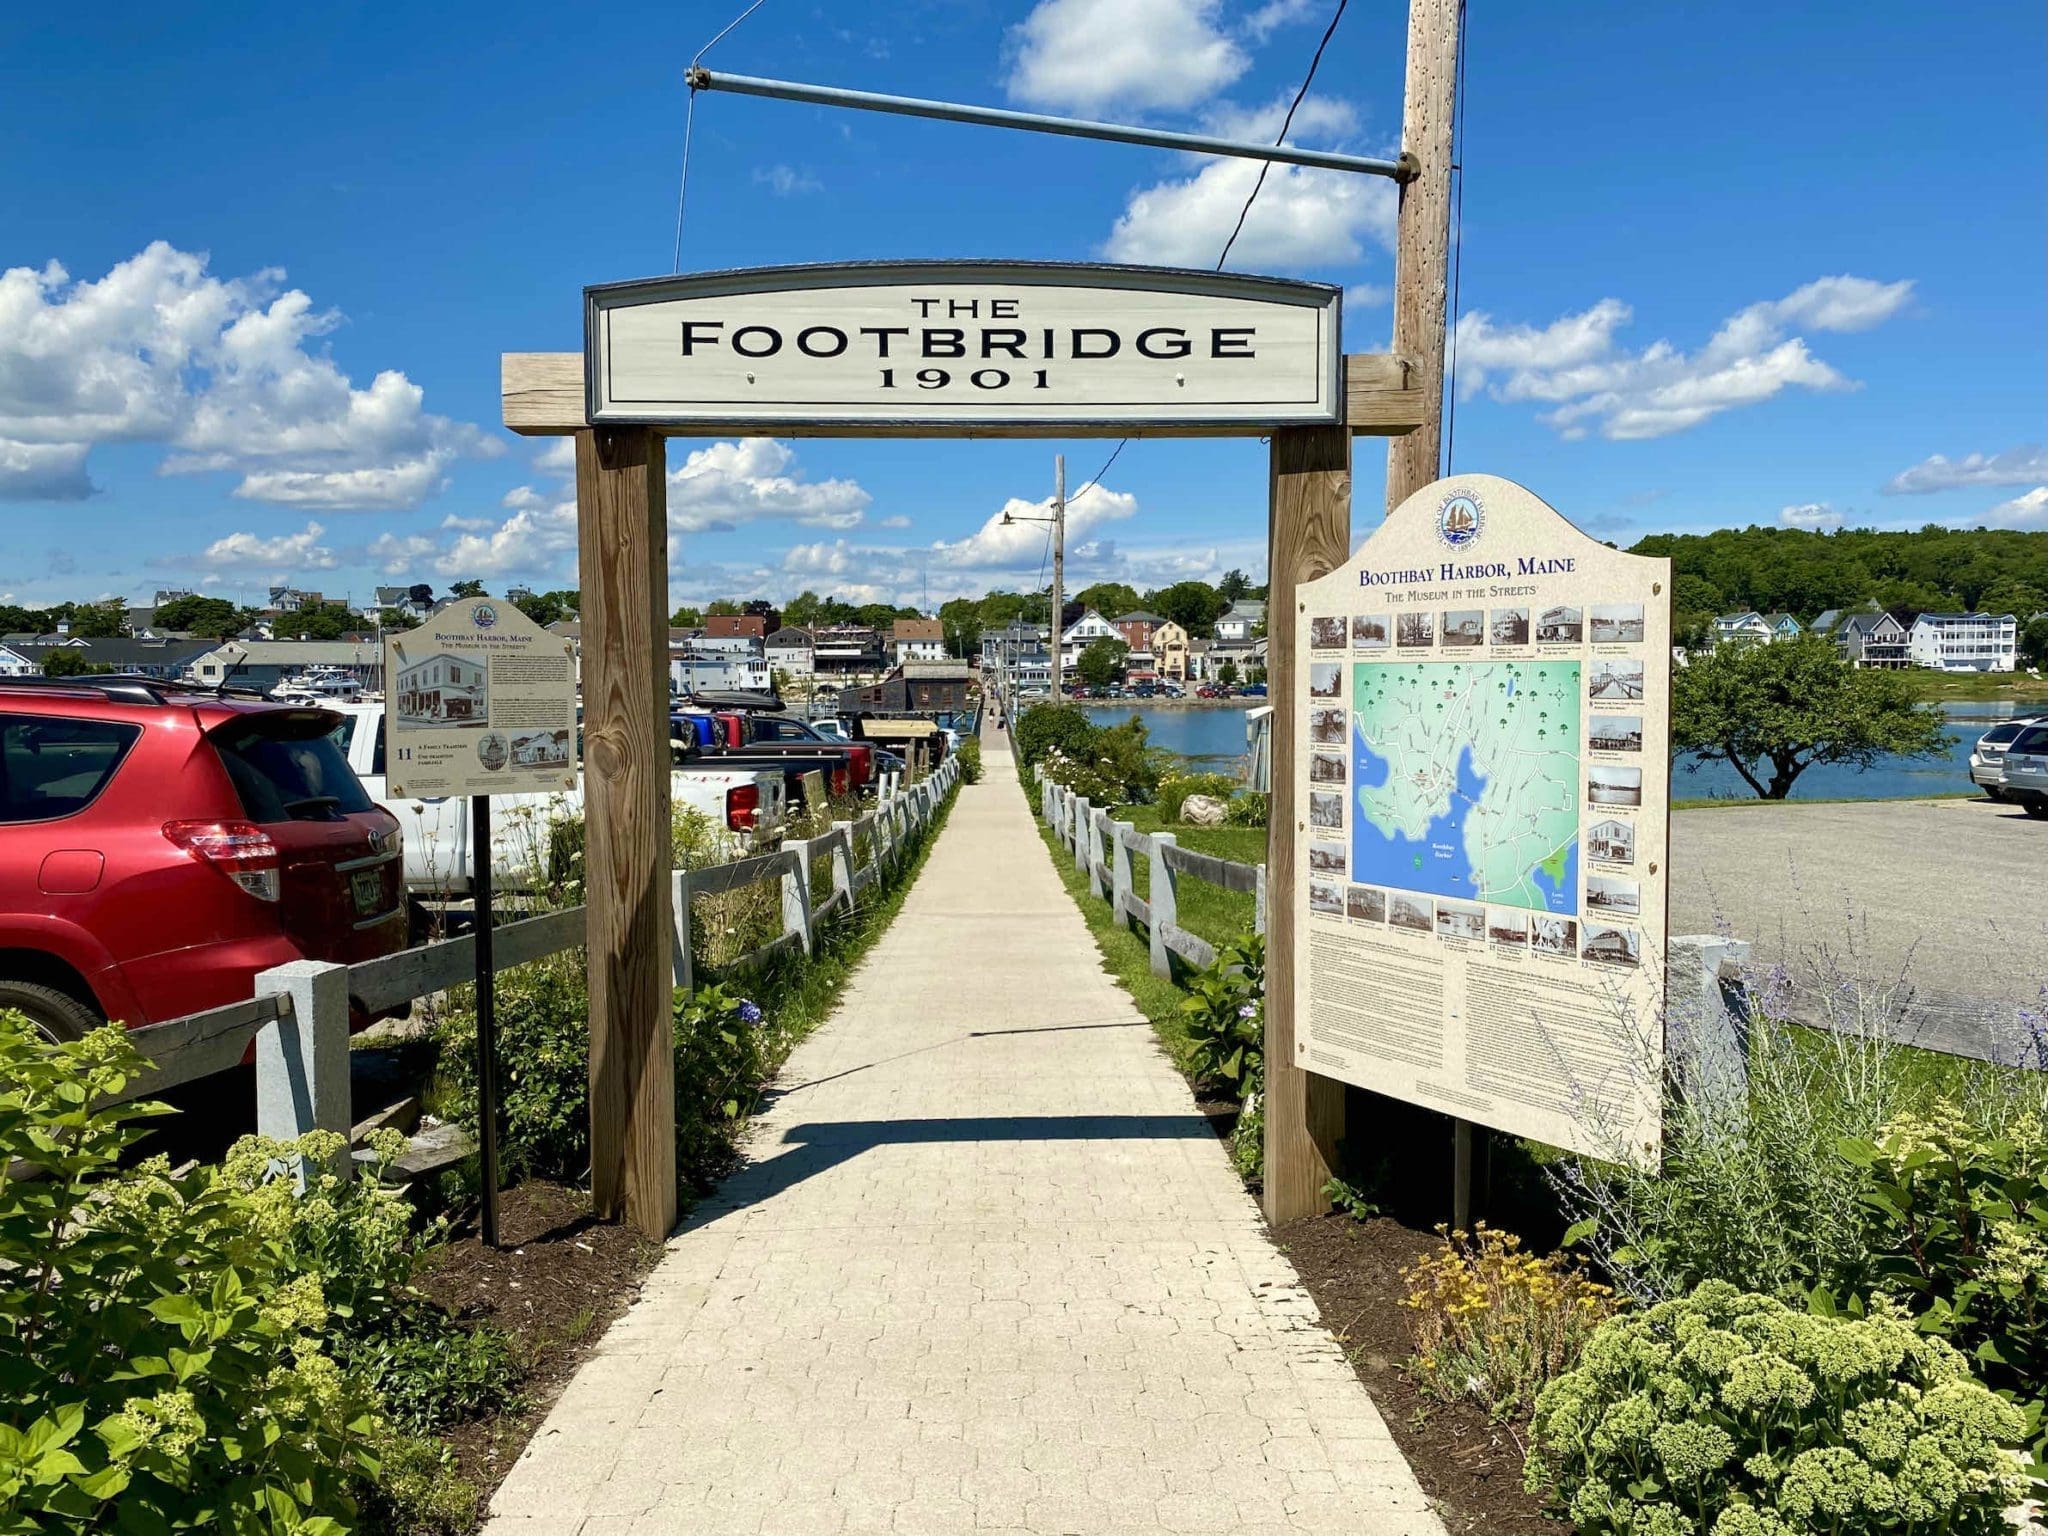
1165	907
1081	833
302	1081
1120	873
682	969
796	896
1706	1022
1097	821
1259	900
842	863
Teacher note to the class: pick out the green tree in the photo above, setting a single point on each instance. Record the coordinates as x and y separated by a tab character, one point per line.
686	617
463	589
962	618
1194	605
1101	662
1111	599
214	617
542	607
1227	674
65	661
327	621
1773	711
722	608
802	610
99	621
15	620
2034	642
1234	585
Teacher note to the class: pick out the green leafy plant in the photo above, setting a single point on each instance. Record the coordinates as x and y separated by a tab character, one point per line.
162	1360
1043	727
1223	1019
1494	1324
418	1489
969	753
430	1372
1350	1199
1250	808
1730	1414
1959	1220
723	1054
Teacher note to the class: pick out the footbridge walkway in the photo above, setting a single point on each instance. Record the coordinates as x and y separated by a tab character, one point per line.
986	1270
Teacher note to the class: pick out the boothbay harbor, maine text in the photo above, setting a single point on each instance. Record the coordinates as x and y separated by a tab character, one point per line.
1485	878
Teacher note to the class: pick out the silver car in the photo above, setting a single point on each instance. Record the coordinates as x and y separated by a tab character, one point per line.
2023	774
1989	753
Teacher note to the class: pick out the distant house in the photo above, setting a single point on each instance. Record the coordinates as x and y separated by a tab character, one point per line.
415	602
1137	628
263	664
846	650
14	664
1084	632
918	640
1239	620
913	688
1965	642
165	658
692	669
727	626
1871	640
292	599
791	650
1170	651
1783	626
1742	627
997	645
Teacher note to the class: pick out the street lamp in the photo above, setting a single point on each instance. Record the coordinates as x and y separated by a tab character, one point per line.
1059	556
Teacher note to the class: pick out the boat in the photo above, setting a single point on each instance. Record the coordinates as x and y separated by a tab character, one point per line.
319	685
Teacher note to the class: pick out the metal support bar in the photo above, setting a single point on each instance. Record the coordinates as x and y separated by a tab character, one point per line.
701	79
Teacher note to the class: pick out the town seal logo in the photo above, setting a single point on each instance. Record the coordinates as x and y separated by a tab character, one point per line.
485	616
1459	520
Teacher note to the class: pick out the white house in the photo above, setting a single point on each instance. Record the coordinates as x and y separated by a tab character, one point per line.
1084	632
691	670
1965	642
14	664
1755	626
442	687
918	640
791	650
1239	620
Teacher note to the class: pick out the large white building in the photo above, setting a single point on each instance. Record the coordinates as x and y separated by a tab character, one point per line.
691	670
1965	642
1084	632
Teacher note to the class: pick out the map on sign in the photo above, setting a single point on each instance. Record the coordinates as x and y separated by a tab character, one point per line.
1467	778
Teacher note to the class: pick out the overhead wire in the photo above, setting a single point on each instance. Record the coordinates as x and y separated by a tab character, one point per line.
690	123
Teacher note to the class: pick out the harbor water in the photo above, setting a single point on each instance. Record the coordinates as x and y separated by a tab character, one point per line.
1213	741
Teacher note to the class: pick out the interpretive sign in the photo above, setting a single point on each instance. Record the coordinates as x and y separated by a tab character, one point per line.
479	700
965	344
1486	773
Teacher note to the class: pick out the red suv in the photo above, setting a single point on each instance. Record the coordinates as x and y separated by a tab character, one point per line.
160	845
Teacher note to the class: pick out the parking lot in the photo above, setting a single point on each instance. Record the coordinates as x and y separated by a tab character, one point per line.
1939	900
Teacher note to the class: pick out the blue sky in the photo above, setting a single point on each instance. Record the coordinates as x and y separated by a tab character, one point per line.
1721	265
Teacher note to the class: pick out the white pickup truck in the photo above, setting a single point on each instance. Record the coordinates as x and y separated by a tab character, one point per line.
744	802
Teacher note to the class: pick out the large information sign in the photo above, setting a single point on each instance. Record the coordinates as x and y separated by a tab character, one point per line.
1485	772
479	700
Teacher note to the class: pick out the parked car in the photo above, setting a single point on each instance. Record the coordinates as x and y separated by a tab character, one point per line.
439	854
2023	773
160	845
1989	753
1255	691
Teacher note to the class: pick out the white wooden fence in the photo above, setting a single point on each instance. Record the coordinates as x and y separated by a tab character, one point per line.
299	1016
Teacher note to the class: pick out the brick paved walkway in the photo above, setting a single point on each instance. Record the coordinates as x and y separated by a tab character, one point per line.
988	1271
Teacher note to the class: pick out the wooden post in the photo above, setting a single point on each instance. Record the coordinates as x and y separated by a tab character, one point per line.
622	535
1098	821
796	896
1081	809
1166	909
682	967
1310	536
1120	888
1423	239
842	864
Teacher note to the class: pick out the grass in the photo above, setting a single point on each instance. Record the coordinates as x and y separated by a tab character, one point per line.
1942	687
1215	914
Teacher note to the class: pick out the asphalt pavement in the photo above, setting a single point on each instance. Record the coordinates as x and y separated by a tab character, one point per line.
1935	910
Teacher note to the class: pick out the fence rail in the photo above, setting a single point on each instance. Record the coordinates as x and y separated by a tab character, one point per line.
1106	850
298	1020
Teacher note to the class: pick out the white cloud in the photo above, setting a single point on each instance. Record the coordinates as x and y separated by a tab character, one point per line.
2027	511
897	521
558	458
1275	14
217	370
731	483
249	552
1087	55
1574	365
397	555
1814	516
531	542
479	524
44	471
786	180
2016	466
1303	217
1018	544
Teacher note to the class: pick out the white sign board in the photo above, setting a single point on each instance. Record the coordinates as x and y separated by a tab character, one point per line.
1484	783
479	700
965	344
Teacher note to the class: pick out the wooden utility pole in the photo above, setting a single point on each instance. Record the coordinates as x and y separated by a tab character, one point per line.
1059	563
1423	241
1421	280
622	538
1310	536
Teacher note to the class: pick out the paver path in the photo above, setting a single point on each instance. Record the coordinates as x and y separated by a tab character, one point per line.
987	1271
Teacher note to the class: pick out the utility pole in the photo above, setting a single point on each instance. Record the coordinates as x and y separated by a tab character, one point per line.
1059	564
1423	239
1421	278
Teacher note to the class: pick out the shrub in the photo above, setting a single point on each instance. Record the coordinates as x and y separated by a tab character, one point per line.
1175	788
1043	727
1959	1222
1248	1138
723	1058
1224	1019
1251	808
1730	1414
418	1489
431	1372
1495	1324
160	1355
969	753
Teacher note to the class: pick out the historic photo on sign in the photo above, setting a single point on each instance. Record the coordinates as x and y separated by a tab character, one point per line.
1325	679
1327	634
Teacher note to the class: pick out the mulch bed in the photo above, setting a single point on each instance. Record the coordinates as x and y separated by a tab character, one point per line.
1470	1467
559	1280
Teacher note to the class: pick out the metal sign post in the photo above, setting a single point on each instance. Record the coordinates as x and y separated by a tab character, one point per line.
486	1013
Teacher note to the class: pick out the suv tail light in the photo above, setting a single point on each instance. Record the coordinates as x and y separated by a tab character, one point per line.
241	850
863	763
743	807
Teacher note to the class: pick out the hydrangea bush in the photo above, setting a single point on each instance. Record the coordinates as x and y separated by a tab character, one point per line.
1726	1413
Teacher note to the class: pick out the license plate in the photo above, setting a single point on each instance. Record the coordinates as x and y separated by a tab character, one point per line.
367	887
